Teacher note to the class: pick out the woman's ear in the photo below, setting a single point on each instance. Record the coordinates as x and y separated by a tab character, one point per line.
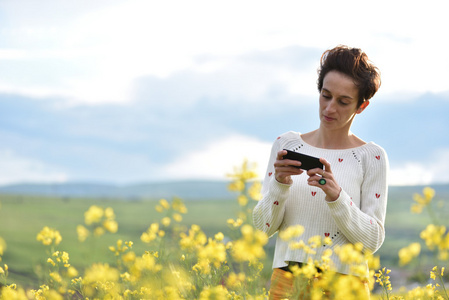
363	106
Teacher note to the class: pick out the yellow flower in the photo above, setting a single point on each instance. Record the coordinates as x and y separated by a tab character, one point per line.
235	223
72	272
236	186
100	273
49	236
194	239
166	221
110	225
150	234
416	208
219	236
129	257
433	235
422	200
242	200
214	252
55	276
218	293
93	215
314	241
179	206
254	191
250	246
406	254
164	203
109	213
433	272
146	262
428	193
236	280
2	246
350	254
82	233
50	261
291	232
99	231
177	217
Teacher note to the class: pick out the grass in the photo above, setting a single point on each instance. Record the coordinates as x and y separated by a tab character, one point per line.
22	217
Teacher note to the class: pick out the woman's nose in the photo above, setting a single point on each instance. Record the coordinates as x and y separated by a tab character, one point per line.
331	105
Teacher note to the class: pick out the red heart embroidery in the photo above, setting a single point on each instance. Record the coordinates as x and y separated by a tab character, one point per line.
271	173
351	203
327	234
340	159
377	196
313	193
371	222
378	157
267	224
276	202
278	137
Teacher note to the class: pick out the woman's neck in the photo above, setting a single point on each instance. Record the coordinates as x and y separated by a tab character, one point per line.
326	139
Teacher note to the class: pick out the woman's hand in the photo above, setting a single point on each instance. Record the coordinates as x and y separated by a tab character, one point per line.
285	168
330	187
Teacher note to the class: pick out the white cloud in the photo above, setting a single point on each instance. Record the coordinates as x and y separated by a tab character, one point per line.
431	171
112	43
219	158
411	173
14	169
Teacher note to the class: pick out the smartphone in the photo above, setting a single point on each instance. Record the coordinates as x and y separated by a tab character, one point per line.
307	162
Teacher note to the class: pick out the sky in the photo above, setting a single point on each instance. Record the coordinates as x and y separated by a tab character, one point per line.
140	91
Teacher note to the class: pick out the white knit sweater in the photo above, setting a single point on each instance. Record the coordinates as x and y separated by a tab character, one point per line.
358	215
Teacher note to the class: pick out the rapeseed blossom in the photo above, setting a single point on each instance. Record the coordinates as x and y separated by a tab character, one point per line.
422	200
408	253
291	232
93	215
214	252
49	236
2	247
433	235
194	239
254	191
11	291
99	220
250	246
241	176
151	234
82	233
121	247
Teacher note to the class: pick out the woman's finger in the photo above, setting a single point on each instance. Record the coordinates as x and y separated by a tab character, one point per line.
326	164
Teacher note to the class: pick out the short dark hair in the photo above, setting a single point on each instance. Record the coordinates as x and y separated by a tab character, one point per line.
354	63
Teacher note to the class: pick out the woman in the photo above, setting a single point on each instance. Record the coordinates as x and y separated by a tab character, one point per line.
349	205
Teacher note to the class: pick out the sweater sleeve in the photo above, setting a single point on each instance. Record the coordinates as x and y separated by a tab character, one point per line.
269	211
366	224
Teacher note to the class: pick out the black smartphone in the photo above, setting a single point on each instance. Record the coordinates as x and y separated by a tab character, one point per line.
307	162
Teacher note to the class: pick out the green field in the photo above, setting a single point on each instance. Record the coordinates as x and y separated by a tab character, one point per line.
22	217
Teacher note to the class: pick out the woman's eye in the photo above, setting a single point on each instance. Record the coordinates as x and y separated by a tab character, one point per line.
326	96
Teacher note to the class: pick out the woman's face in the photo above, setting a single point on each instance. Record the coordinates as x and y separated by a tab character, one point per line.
338	101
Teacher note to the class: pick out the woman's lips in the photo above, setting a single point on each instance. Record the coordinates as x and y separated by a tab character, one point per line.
328	118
